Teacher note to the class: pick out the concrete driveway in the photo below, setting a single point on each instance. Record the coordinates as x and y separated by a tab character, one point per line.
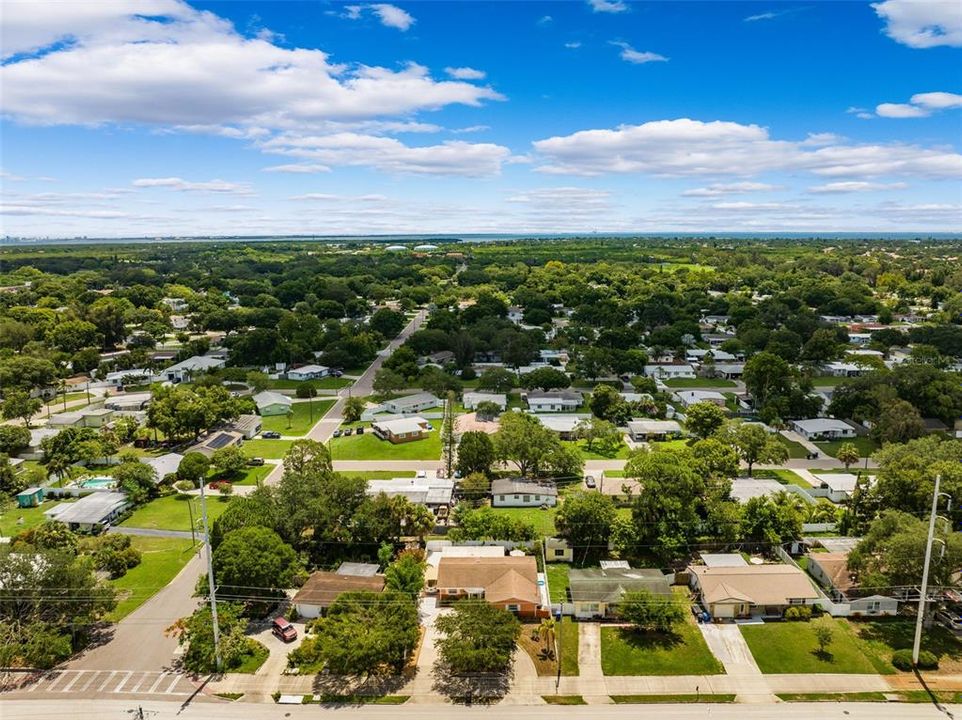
728	645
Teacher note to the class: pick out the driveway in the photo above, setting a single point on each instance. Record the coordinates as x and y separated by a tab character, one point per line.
589	651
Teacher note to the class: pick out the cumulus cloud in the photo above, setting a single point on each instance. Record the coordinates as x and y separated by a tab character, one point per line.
691	147
900	110
920	105
735	188
209	186
388	15
636	57
608	6
922	23
574	45
854	186
465	73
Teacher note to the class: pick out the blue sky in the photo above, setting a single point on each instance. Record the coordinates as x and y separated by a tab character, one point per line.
161	117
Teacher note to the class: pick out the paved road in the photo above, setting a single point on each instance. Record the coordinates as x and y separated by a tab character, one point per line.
57	709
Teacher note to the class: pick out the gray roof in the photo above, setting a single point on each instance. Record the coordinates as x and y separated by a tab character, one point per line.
358	569
266	398
562	395
608	585
164	465
412	400
521	487
89	510
243	423
421	491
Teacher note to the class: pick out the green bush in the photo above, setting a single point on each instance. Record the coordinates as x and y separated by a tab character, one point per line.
799	612
902	659
306	390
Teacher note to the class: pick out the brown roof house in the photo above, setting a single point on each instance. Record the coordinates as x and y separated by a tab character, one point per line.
751	591
507	582
322	589
831	571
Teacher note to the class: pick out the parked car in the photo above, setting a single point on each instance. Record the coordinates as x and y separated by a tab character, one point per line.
590	482
348	431
336	373
271	435
255	461
950	619
284	630
337	433
359	431
422	474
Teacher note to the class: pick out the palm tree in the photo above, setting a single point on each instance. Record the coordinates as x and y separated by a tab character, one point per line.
546	631
848	454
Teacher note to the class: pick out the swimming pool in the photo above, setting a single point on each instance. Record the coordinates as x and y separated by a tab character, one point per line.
98	482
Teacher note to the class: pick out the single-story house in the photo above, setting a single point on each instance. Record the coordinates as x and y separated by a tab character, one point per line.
843	369
134	376
437	549
96	417
539	401
566	426
247	425
692	397
322	589
432	492
751	591
217	440
272	403
506	492
31	497
558	550
130	402
191	367
840	486
596	592
401	429
90	513
701	355
65	420
642	430
831	571
823	429
723	560
745	488
472	399
308	372
439	358
509	582
412	404
164	465
34	450
729	371
670	371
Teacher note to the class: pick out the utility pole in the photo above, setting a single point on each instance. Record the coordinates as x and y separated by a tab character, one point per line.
925	568
210	578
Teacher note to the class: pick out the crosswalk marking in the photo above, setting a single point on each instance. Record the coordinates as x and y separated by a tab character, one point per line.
60	676
170	689
89	680
124	681
99	682
157	681
78	674
109	678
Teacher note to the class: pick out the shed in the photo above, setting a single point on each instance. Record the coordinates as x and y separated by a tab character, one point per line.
31	497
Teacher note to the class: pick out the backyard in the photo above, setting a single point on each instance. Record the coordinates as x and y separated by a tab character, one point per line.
557	581
16	519
369	447
162	559
791	647
303	419
250	475
171	512
543	520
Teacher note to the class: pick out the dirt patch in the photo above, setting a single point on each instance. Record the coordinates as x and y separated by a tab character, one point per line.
545	665
470	423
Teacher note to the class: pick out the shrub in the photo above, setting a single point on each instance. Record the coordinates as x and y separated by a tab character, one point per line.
468	374
799	612
184	485
902	659
306	390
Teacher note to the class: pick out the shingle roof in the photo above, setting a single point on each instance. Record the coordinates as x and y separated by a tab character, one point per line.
508	486
322	588
608	585
502	578
758	584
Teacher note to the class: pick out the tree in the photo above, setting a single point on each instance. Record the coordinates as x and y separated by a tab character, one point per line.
823	636
898	422
229	460
137	479
362	633
387	383
772	520
353	408
476	637
448	437
704	419
497	380
585	520
474	488
72	335
387	322
754	444
766	375
10	481
258	381
651	613
193	467
533	448
848	454
545	378
476	453
485	523
259	508
17	404
13	439
487	410
606	403
253	562
599	435
406	573
196	632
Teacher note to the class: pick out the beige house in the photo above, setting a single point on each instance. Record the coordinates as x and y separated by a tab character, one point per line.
509	582
751	591
558	550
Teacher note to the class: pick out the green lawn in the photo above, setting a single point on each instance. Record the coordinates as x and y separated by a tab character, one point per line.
791	647
786	477
257	653
557	581
543	520
273	449
15	520
581	446
826	380
369	447
833	697
866	446
614	473
568	646
679	444
880	638
162	559
699	383
171	512
563	700
301	421
795	450
251	475
625	651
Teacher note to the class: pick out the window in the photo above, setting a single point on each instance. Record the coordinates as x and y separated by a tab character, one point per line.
501	498
874	606
513	607
537	498
527	498
559	552
796	601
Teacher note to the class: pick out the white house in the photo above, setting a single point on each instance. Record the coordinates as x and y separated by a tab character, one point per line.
700	355
163	465
272	403
670	371
472	399
91	512
693	397
308	372
191	367
564	424
642	430
134	376
729	371
843	369
840	486
412	404
540	401
129	402
432	492
823	429
522	493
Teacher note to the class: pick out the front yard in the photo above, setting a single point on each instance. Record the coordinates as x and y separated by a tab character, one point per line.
791	647
581	446
301	421
171	512
369	447
327	383
162	559
795	450
273	449
880	638
546	665
866	446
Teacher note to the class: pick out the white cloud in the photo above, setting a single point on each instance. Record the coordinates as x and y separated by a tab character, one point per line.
920	105
391	155
937	100
900	110
573	45
298	168
922	23
470	129
608	6
718	189
545	20
465	73
331	197
629	54
762	16
181	185
691	147
183	67
393	16
854	186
